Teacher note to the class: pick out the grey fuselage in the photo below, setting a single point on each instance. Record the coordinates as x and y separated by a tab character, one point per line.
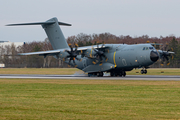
120	56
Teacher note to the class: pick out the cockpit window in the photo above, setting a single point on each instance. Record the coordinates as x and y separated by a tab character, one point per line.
148	48
151	48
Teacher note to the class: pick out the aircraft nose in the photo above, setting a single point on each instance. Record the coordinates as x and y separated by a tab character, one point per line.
154	56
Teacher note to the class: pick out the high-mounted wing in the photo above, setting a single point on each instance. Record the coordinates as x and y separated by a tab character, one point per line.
43	53
56	52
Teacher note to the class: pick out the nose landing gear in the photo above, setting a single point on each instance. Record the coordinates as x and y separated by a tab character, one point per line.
143	71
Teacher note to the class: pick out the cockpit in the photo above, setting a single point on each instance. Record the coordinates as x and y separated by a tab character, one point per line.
151	48
148	48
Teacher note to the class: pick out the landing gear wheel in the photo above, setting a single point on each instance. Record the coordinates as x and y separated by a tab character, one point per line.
90	74
124	73
100	74
143	71
112	74
120	74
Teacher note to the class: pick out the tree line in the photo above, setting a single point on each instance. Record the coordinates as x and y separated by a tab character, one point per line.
10	59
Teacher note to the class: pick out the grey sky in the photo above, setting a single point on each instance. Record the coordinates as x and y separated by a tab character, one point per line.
120	17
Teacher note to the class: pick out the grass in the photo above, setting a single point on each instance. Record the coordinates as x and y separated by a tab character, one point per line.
68	71
156	71
89	99
58	71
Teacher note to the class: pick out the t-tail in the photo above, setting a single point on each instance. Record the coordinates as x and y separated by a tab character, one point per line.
53	32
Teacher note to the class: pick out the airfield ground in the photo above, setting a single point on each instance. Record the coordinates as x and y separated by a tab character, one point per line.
88	99
70	71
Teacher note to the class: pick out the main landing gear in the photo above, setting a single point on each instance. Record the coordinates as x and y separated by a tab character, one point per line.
120	74
112	74
97	74
143	71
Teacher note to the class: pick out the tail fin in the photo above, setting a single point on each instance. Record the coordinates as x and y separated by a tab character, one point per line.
53	32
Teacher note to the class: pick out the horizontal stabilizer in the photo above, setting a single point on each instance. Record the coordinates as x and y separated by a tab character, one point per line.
65	24
40	23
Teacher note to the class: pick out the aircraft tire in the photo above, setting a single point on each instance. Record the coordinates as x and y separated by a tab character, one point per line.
145	71
124	73
120	74
112	74
116	74
90	74
100	74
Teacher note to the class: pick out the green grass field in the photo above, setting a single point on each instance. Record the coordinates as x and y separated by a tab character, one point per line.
89	99
68	71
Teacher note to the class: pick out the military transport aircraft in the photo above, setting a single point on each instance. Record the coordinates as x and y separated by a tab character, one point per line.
97	59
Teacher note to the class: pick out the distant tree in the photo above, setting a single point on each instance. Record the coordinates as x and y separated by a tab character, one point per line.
174	46
35	60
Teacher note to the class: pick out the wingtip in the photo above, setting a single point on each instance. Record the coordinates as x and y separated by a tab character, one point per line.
8	25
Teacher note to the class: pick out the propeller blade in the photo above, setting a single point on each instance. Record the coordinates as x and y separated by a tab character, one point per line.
74	61
68	52
77	59
71	49
69	60
95	50
76	46
166	58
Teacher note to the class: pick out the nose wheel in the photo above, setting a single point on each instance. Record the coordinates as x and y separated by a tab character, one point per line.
143	71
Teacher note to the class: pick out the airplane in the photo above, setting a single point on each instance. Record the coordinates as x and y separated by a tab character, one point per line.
115	59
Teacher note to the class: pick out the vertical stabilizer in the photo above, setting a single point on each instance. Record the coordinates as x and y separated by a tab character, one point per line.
55	34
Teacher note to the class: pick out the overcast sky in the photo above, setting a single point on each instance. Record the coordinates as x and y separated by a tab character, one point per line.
154	18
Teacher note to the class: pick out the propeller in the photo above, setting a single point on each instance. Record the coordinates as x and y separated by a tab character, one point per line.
164	56
72	53
99	54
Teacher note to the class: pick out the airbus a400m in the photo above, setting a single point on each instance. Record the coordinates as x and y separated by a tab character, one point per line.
95	60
